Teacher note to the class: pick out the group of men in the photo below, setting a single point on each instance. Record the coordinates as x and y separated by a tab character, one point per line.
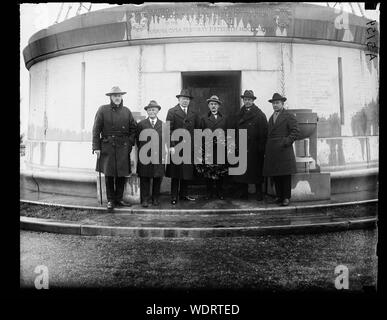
269	147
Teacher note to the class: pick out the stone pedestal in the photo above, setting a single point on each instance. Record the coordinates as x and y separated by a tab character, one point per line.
131	191
307	186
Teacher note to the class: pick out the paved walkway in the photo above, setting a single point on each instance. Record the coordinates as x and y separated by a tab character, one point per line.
231	217
228	205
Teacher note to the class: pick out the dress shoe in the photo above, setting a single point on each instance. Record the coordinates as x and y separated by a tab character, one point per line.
145	204
276	200
173	201
110	205
156	202
285	202
187	198
121	203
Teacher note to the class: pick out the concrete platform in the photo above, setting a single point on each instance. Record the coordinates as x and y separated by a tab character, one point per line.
201	218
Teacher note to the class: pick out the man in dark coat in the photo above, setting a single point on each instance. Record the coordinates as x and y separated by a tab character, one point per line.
114	133
215	120
182	116
154	171
280	161
252	118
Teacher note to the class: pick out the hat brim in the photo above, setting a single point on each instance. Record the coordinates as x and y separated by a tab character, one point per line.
181	95
111	93
213	100
282	99
147	107
253	97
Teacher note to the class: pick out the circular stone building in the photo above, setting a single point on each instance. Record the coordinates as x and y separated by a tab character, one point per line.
316	56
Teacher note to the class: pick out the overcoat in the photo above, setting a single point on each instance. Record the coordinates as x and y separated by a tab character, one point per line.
179	120
255	122
152	169
114	133
221	122
279	155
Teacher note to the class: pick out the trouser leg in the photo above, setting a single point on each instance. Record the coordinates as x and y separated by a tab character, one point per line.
144	188
258	187
259	193
120	185
287	186
244	189
110	194
174	188
209	186
156	188
278	186
183	188
219	187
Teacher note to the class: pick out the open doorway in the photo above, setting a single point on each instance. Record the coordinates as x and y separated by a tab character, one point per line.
203	84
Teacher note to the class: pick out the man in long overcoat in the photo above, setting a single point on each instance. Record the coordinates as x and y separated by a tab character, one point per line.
252	118
181	116
214	120
280	161
114	133
154	171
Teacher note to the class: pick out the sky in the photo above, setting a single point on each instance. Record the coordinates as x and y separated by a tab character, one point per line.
37	16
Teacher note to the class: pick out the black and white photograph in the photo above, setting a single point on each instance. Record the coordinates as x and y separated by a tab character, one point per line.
199	146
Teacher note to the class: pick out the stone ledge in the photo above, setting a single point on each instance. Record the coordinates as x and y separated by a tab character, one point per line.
42	225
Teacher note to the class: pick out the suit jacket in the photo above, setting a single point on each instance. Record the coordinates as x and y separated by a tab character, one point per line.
279	156
151	169
179	120
209	122
255	122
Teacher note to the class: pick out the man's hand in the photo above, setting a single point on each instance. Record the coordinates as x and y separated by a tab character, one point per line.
98	152
172	150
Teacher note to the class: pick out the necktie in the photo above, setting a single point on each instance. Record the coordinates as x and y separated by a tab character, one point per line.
153	123
275	116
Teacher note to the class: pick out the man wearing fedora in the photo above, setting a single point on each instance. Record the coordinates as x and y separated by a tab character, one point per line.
280	161
215	120
181	116
252	118
114	133
151	171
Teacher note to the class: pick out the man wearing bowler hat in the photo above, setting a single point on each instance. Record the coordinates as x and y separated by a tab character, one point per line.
114	133
280	161
154	171
252	118
181	116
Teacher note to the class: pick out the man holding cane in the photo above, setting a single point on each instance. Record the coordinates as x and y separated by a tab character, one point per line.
114	133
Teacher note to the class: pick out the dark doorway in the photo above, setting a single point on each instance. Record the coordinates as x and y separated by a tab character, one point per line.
225	84
202	85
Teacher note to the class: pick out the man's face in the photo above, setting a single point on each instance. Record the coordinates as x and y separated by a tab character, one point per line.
116	98
214	106
277	105
152	112
248	102
184	101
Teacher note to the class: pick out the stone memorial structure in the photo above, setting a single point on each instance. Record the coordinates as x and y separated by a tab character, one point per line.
316	56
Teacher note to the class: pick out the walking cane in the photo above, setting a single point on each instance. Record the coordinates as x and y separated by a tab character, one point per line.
99	174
